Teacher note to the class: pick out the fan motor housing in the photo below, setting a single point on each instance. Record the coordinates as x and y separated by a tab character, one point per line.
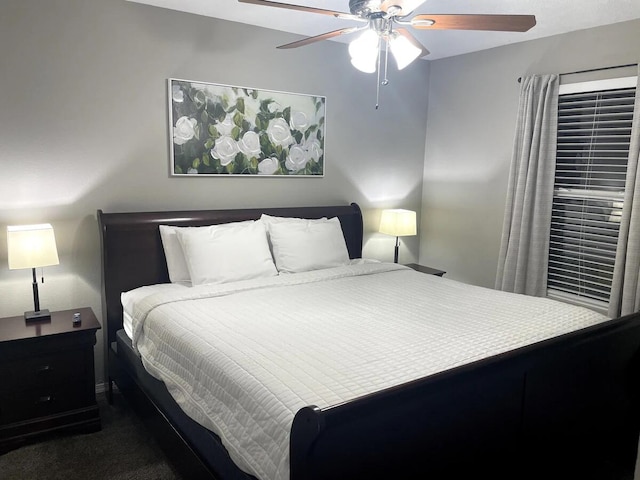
361	8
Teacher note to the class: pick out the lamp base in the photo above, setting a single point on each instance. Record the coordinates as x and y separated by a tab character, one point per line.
37	316
395	252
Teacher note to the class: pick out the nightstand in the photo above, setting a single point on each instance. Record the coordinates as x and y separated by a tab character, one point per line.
47	380
427	270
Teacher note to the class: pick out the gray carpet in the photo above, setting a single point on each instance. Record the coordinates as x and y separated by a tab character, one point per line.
122	450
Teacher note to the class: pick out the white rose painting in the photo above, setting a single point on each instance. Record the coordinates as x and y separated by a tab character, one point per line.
225	130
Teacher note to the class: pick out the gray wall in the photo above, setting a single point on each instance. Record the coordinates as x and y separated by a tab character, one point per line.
83	126
473	101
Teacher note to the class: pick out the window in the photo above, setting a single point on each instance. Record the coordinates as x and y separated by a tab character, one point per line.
594	133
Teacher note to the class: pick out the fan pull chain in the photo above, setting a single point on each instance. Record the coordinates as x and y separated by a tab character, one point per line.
386	62
385	80
378	82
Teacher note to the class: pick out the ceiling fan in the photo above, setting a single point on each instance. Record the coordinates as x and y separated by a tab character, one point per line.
385	29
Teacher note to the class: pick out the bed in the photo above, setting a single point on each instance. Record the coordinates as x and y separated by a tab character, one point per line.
560	406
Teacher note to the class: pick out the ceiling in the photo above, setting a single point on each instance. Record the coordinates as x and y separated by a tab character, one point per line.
553	17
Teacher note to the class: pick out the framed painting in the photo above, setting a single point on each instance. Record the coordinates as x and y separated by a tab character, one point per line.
225	130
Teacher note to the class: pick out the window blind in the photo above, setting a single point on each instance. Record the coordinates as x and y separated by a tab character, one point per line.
594	133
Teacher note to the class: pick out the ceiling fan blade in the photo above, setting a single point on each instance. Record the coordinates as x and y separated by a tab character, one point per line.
405	33
317	38
500	23
300	8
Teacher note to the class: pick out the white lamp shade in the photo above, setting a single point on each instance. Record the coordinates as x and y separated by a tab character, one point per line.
31	246
398	222
365	66
364	51
403	50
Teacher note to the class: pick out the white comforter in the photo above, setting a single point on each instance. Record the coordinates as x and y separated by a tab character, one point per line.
243	358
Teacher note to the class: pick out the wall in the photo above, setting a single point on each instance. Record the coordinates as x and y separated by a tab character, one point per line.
473	101
83	126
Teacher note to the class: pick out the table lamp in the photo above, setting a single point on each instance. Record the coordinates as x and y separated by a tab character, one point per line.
399	223
32	246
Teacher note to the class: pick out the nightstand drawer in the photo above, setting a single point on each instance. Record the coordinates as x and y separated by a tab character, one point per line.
40	402
44	370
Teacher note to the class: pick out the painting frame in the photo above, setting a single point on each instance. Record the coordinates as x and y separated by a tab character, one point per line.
225	130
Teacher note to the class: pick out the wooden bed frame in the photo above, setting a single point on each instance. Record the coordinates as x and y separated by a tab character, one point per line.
563	408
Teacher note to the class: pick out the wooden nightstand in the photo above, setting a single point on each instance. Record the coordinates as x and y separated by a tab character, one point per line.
47	380
427	270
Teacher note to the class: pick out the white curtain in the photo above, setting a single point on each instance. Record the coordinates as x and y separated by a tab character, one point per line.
524	250
625	289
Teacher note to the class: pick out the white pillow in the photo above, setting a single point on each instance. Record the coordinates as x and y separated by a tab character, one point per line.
227	253
270	220
308	245
176	264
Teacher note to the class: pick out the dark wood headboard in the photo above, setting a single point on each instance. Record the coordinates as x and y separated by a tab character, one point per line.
132	253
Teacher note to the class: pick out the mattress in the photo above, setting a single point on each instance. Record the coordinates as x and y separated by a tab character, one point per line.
130	298
241	359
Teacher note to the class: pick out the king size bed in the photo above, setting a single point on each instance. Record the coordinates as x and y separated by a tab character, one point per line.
293	358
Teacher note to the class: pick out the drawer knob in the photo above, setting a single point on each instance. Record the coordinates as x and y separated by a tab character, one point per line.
45	399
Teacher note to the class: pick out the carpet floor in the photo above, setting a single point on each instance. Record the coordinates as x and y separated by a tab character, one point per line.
122	450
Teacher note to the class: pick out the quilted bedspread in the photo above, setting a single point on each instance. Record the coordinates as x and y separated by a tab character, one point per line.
243	358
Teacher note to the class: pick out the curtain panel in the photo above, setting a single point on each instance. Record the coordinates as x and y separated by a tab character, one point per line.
625	289
524	249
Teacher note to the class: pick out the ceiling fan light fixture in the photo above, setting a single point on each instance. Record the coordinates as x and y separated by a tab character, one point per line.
364	51
403	50
365	66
